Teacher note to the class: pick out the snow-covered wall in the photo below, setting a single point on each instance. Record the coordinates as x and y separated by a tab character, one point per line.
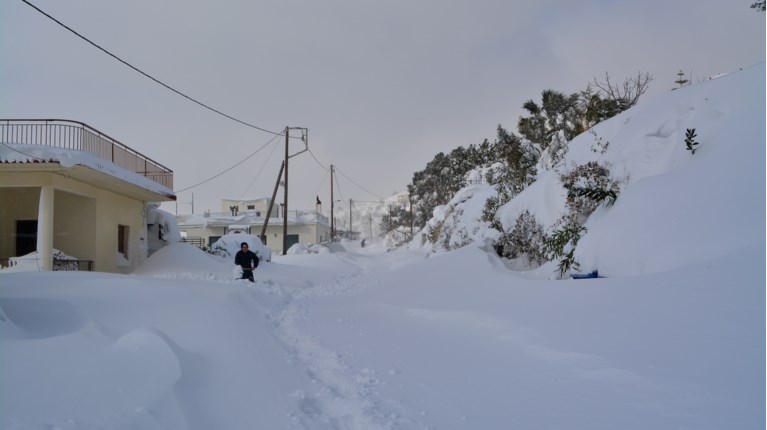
162	228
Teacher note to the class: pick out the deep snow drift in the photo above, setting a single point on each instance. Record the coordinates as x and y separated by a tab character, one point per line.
365	339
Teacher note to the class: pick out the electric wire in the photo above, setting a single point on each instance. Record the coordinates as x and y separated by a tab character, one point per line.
345	175
259	172
338	187
145	74
22	153
358	185
230	168
322	181
318	161
150	76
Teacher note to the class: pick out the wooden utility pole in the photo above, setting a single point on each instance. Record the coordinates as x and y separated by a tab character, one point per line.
332	203
285	210
271	205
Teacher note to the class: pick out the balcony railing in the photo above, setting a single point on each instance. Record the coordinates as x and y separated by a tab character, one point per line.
58	265
78	136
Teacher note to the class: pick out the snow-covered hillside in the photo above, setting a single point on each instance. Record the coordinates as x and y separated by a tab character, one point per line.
684	207
360	338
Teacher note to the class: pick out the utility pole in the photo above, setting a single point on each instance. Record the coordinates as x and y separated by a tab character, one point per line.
350	218
332	203
305	139
285	211
271	205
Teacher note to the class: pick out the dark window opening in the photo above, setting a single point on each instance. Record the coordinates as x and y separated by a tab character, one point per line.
122	240
26	237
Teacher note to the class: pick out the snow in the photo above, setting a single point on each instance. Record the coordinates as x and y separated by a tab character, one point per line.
228	245
362	338
22	153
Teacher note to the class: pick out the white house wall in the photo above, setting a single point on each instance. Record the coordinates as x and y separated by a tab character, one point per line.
307	233
80	210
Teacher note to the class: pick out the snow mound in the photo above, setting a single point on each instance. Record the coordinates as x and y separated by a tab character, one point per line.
182	258
304	248
228	245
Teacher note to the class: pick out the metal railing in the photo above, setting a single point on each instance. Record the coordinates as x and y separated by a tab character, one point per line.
66	134
60	265
196	241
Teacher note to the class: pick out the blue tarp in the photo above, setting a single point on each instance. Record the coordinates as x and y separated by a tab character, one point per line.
594	274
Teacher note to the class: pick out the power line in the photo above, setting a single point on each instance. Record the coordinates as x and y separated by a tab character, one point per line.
317	161
241	161
22	153
360	186
148	75
345	175
322	182
259	172
338	187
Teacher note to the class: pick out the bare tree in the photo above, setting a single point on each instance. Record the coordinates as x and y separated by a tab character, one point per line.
626	94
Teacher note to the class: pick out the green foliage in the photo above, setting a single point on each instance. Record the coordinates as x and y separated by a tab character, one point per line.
526	239
397	218
689	140
562	242
598	109
588	185
444	176
681	79
598	195
518	159
557	113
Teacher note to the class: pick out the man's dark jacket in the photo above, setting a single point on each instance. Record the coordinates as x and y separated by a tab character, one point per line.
247	259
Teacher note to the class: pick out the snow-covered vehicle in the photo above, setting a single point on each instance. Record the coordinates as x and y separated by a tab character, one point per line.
228	245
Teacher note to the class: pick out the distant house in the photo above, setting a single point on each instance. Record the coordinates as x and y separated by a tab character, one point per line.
68	187
249	216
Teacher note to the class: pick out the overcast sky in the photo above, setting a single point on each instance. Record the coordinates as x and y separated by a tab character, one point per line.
382	86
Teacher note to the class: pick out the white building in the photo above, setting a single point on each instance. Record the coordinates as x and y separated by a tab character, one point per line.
249	216
67	187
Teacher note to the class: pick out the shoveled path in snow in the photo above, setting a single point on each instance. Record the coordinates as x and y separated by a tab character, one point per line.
345	397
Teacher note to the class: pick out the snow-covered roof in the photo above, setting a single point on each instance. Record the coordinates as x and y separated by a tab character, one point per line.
248	219
12	153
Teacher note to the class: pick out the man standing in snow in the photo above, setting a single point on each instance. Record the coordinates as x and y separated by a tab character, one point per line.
246	259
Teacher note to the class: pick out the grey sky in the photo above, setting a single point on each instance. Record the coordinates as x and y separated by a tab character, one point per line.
382	86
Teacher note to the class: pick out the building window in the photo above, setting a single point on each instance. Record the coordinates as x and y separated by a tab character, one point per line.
122	239
251	207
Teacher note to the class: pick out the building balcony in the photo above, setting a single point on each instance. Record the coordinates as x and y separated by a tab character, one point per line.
77	136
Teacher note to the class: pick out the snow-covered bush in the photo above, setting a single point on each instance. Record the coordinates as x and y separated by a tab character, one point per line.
459	222
525	242
588	185
562	241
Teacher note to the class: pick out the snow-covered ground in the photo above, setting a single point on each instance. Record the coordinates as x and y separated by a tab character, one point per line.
377	340
361	338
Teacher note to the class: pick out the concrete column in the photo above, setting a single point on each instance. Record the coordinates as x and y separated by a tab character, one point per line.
45	228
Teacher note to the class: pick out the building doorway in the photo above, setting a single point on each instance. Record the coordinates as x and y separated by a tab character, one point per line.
292	240
26	237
